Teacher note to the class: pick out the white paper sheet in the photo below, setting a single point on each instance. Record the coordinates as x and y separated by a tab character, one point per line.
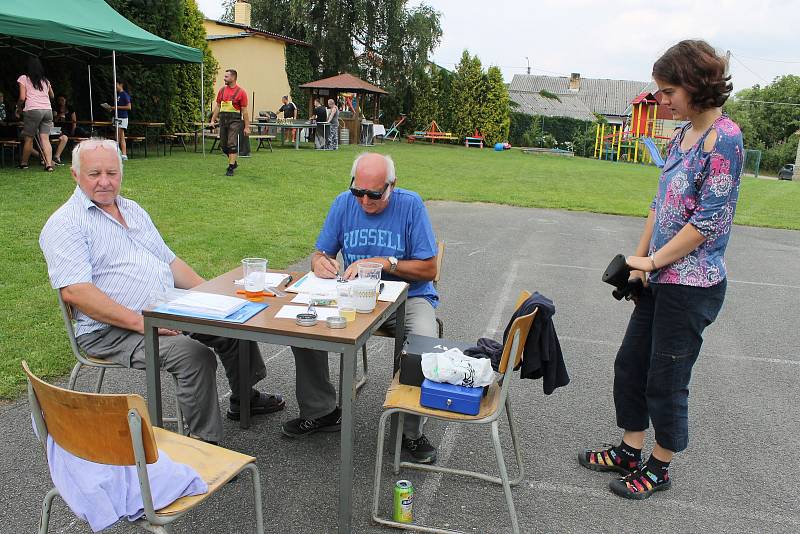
391	290
290	312
312	284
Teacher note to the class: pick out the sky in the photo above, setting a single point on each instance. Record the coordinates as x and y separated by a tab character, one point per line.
617	40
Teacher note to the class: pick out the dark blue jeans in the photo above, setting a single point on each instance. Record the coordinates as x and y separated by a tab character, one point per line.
654	363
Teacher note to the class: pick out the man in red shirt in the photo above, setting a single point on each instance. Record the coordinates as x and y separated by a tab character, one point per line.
231	109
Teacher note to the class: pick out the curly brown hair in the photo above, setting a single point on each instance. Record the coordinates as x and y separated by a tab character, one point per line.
696	66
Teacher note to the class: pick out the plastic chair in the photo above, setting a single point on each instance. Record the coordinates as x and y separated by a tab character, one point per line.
116	430
84	360
387	333
404	399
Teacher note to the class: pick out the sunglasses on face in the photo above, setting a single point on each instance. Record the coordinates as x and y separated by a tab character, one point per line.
373	195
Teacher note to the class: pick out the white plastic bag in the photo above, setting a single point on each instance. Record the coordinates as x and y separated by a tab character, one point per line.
454	367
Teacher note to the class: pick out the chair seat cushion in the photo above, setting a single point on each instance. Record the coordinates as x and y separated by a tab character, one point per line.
215	465
407	398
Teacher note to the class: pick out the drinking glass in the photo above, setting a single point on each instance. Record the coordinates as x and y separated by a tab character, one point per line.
370	270
254	271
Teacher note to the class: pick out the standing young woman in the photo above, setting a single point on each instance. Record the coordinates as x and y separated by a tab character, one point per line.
35	93
123	107
680	257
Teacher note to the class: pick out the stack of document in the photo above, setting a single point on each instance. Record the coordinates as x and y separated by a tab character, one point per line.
207	304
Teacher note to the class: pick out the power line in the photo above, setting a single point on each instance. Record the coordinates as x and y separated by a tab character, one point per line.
509	67
748	68
767	102
773	60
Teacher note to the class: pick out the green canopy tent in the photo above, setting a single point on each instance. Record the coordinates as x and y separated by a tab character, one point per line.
89	32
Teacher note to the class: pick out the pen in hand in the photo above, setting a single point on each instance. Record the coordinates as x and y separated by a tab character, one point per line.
334	263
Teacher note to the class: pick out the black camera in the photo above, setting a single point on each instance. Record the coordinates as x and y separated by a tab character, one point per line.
618	274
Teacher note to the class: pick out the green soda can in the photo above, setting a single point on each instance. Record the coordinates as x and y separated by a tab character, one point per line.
403	501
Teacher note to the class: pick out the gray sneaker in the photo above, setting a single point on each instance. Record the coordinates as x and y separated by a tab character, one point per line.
420	449
300	428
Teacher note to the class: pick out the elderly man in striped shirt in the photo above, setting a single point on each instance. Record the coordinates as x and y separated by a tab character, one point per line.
108	260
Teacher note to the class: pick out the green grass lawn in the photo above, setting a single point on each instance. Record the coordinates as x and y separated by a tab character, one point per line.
275	205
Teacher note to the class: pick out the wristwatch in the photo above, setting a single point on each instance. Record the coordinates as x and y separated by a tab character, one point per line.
392	263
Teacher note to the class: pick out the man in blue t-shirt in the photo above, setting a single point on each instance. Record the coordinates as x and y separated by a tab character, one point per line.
372	222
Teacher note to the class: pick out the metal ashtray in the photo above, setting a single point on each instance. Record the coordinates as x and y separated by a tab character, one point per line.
306	319
336	322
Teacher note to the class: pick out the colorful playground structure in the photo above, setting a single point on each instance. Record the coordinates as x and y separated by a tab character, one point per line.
639	140
434	133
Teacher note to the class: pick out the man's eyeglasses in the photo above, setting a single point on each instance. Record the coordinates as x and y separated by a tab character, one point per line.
374	195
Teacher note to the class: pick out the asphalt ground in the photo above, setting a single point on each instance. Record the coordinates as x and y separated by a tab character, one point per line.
738	475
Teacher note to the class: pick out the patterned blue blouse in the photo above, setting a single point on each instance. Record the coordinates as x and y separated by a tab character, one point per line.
698	188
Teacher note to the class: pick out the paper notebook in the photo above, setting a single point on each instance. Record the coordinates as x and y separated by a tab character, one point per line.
209	304
242	315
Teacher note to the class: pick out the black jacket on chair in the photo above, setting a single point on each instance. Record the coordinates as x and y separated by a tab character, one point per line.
542	356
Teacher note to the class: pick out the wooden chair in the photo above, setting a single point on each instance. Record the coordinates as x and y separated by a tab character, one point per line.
383	332
116	430
404	399
85	360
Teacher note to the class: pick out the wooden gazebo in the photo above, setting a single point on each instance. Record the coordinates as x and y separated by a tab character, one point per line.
368	97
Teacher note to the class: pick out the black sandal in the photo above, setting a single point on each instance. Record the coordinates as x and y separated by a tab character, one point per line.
606	459
23	166
49	168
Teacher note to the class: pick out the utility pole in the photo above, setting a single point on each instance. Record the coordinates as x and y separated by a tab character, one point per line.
727	62
529	65
797	160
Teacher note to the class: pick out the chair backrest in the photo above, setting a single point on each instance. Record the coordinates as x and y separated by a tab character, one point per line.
439	261
66	315
517	336
89	425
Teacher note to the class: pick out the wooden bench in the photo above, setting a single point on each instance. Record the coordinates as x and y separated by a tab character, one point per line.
132	140
8	144
261	138
180	140
171	139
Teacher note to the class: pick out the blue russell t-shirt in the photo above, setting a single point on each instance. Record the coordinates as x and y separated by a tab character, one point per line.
123	99
402	230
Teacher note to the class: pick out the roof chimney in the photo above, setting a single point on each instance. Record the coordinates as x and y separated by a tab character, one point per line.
241	13
575	81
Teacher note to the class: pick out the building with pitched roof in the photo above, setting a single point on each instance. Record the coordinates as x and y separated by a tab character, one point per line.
258	56
580	98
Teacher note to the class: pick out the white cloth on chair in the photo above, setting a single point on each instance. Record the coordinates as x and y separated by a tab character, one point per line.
454	367
103	494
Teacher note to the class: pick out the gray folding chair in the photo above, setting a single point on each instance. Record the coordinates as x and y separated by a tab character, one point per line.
403	399
85	360
116	430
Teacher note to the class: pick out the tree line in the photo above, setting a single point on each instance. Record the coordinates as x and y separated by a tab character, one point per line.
388	43
769	117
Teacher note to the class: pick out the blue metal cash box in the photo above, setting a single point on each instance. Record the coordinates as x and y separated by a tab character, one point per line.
451	398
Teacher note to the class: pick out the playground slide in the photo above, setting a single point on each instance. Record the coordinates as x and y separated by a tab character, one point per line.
655	153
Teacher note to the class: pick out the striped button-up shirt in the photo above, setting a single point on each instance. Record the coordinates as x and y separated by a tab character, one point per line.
84	244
